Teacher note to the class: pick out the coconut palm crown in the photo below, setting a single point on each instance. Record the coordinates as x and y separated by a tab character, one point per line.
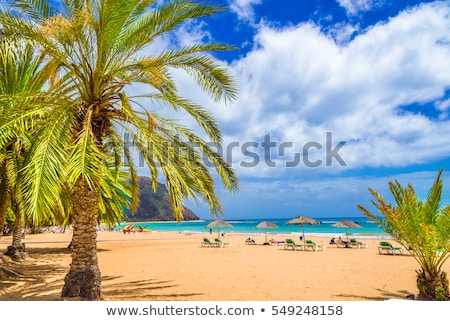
99	49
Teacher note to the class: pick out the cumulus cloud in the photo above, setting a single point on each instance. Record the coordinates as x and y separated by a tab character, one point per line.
354	6
244	9
298	83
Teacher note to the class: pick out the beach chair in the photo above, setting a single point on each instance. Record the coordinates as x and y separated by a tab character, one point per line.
250	241
207	243
291	244
275	242
388	248
357	244
341	243
222	244
314	246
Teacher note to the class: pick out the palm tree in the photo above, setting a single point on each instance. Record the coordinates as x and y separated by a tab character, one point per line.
99	48
422	227
21	73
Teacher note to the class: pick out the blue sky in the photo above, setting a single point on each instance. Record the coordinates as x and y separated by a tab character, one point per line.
334	96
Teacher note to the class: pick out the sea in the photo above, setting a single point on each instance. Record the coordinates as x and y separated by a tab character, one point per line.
248	227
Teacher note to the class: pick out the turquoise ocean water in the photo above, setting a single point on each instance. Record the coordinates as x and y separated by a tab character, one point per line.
369	229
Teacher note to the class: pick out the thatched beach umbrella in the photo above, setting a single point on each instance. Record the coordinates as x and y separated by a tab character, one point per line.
265	225
302	220
347	224
219	224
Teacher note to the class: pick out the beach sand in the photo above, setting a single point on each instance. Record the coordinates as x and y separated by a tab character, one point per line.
165	266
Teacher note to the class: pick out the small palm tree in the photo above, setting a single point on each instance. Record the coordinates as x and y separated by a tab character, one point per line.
98	48
423	228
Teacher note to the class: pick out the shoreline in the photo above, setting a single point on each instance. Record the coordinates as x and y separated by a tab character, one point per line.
59	230
248	227
6	240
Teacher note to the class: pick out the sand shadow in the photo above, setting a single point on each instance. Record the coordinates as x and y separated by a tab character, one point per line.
35	281
143	290
39	252
383	296
40	278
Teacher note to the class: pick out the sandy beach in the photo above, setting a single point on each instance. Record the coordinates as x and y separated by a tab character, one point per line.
174	266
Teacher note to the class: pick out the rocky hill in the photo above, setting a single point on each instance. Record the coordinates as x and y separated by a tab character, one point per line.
155	206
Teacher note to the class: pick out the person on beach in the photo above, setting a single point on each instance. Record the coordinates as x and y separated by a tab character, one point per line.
343	242
332	241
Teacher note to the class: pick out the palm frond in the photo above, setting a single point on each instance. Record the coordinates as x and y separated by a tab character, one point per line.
86	159
433	200
203	118
35	9
45	166
166	17
115	196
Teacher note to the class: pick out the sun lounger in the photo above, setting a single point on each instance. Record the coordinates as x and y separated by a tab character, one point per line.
291	244
357	244
275	242
388	248
222	244
314	246
341	243
207	243
250	241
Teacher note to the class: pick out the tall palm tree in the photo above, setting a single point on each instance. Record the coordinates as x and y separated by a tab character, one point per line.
99	48
422	227
22	72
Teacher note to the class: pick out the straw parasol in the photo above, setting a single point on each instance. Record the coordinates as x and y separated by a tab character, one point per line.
219	224
302	220
347	224
265	225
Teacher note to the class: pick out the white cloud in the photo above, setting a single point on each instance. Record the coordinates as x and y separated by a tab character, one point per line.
354	6
342	32
244	9
298	83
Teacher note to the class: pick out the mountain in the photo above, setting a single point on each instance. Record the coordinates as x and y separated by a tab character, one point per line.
156	206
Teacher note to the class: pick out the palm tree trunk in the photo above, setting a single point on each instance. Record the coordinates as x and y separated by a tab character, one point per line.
4	200
83	282
17	249
433	285
3	211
